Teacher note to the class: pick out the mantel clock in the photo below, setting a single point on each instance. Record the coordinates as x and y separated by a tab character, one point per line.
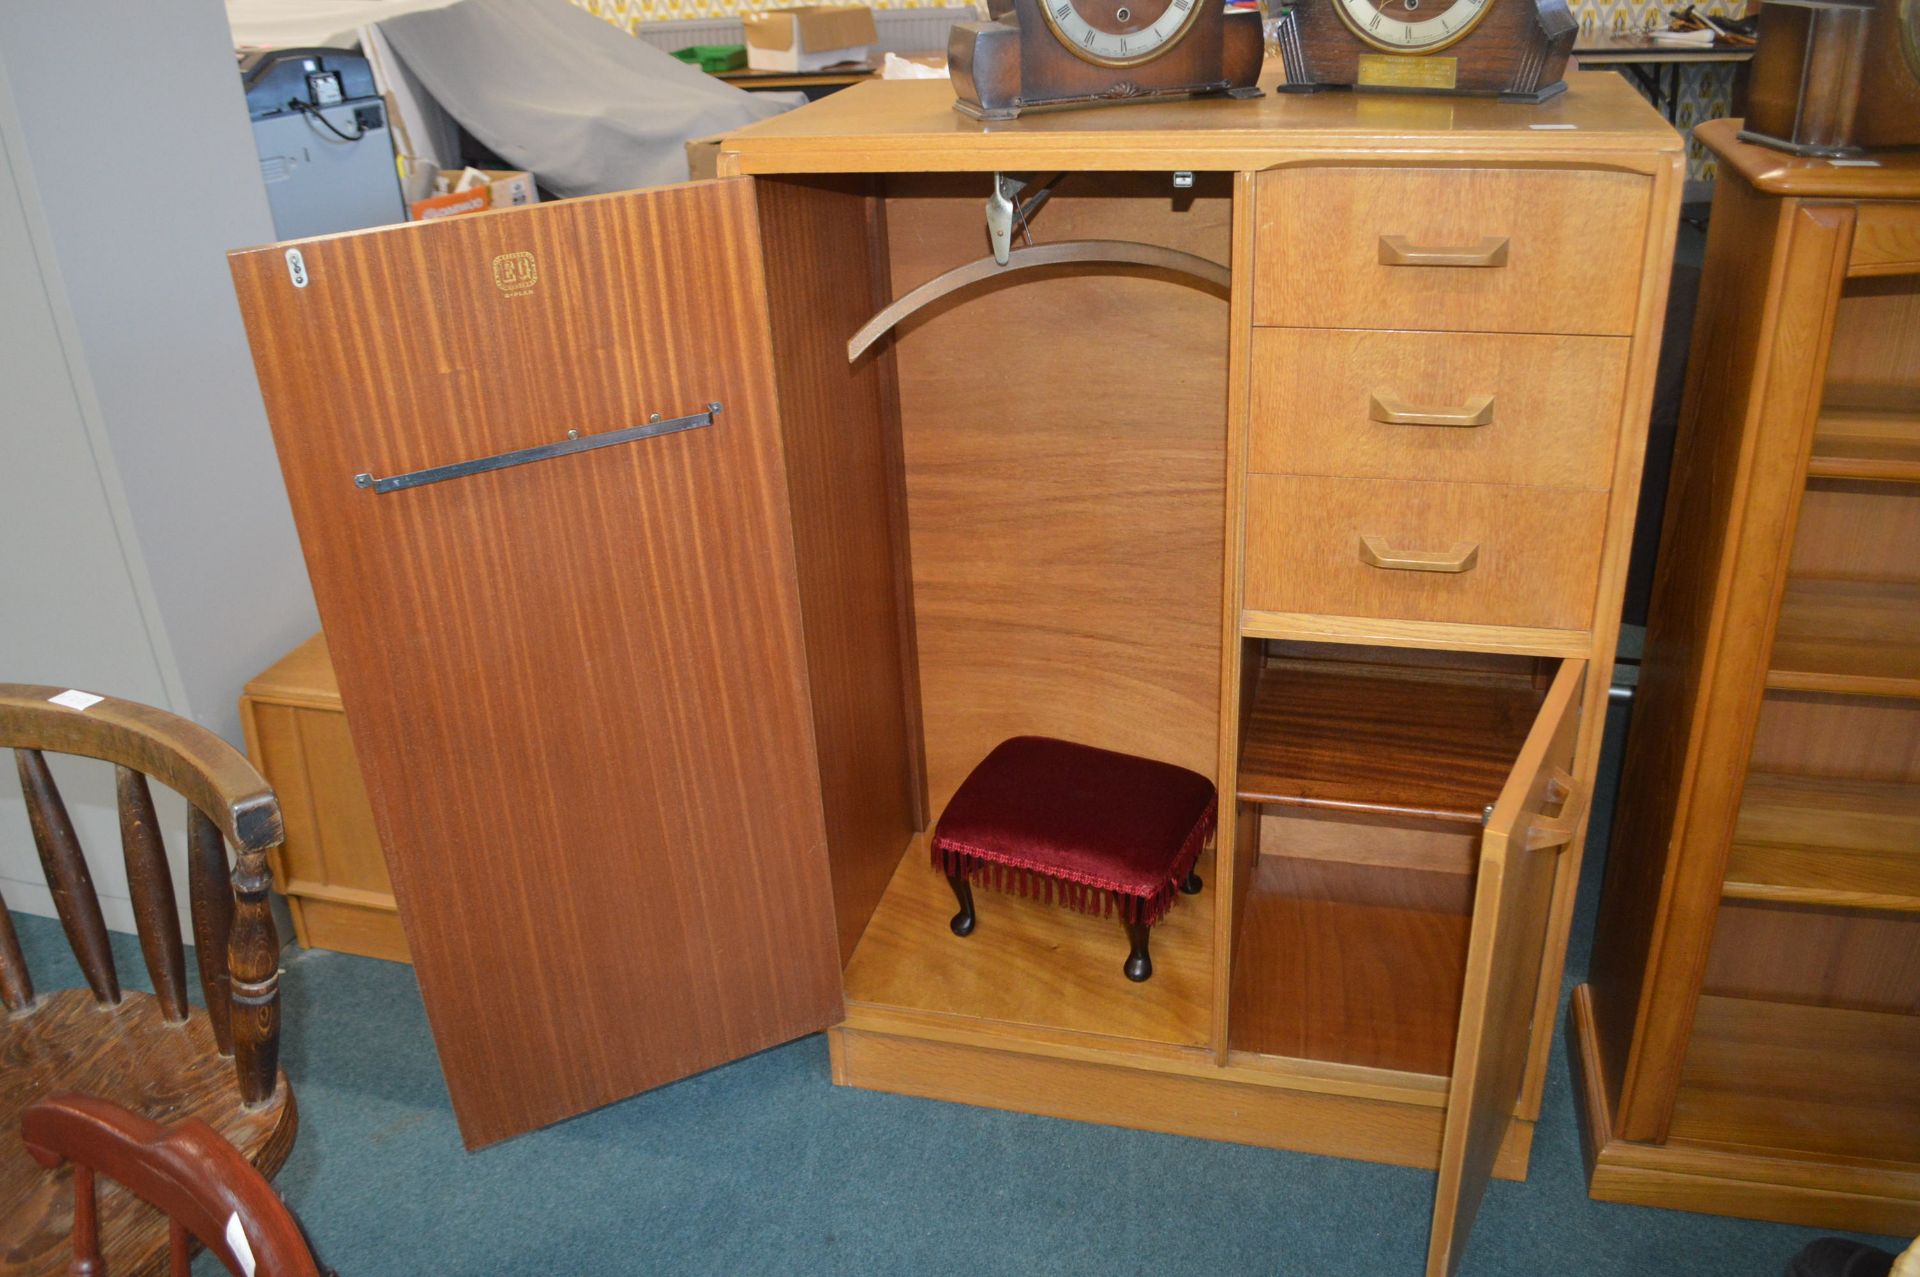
1093	52
1515	49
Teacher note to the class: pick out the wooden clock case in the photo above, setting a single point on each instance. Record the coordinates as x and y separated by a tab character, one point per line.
1518	52
1835	77
1013	63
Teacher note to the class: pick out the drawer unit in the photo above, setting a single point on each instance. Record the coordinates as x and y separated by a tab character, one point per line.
1465	407
331	867
1485	249
1471	553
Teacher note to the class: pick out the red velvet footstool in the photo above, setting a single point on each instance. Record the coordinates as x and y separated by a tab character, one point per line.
1094	830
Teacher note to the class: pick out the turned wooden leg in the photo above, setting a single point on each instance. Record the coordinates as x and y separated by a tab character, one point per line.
1191	885
962	923
1139	962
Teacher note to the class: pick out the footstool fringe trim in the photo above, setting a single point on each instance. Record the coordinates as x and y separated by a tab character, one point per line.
1084	893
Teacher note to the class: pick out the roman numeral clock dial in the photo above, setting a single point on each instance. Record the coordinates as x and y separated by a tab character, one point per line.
1411	26
1118	33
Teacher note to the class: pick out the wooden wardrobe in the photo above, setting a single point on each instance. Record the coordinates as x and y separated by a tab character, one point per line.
1749	1041
655	721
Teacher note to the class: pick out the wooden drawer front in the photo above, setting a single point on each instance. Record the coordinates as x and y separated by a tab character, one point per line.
1368	404
1558	249
1886	240
1532	557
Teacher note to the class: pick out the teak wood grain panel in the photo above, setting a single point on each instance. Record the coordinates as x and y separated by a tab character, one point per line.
1536	561
1886	240
1513	905
577	687
1826	840
1867	443
1855	530
849	533
1806	1079
1845	737
1759	345
1863	959
1355	964
1320	231
1555	410
1034	964
1388	742
1861	637
1065	437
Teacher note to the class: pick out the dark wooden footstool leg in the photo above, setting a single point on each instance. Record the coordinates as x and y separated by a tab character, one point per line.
962	922
1191	887
1139	963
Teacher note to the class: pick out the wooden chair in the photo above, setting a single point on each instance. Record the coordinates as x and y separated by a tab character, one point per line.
208	1192
150	1053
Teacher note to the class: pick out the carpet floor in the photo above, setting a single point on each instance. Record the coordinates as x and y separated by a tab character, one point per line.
765	1167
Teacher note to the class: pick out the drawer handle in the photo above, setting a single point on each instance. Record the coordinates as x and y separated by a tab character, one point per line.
1398	250
1558	831
1383	407
1375	552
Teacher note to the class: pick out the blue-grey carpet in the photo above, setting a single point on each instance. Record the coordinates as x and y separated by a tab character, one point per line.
765	1167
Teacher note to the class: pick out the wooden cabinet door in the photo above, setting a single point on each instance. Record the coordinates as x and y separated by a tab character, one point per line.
1537	815
576	684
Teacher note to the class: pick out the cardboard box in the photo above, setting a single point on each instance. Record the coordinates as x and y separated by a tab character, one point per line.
809	38
505	188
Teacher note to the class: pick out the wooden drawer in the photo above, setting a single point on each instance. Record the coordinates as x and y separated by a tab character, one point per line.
1531	557
1377	405
1886	240
1368	248
331	866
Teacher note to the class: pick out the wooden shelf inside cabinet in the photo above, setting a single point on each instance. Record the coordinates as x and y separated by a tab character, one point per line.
1816	840
1422	743
1811	1080
1857	638
1355	964
1867	443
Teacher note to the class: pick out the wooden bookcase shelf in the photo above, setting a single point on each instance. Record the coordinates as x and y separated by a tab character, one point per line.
1817	840
1781	1077
1429	743
1749	1035
1857	638
1867	443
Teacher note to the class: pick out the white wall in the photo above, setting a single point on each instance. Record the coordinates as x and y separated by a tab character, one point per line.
146	549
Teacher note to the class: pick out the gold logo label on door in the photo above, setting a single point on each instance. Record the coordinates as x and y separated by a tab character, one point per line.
515	273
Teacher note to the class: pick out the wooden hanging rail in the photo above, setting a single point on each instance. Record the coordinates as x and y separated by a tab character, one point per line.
1091	251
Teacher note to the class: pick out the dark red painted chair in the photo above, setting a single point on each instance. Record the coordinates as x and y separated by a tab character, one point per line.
206	1190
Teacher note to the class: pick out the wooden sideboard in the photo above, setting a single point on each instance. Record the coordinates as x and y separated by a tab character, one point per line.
1749	1041
1324	493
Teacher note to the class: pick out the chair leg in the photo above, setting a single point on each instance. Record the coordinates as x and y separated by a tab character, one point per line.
1191	885
1139	962
962	922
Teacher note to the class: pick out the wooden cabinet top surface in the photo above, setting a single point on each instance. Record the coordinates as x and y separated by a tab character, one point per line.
304	674
1893	175
887	126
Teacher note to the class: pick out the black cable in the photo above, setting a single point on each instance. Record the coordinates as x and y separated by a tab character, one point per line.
313	113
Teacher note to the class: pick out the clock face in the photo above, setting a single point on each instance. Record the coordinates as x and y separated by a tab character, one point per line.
1411	26
1118	33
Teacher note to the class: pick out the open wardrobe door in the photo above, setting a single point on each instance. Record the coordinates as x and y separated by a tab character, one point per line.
1539	812
535	462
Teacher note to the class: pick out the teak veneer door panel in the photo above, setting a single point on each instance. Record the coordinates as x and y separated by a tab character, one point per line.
576	686
1512	904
